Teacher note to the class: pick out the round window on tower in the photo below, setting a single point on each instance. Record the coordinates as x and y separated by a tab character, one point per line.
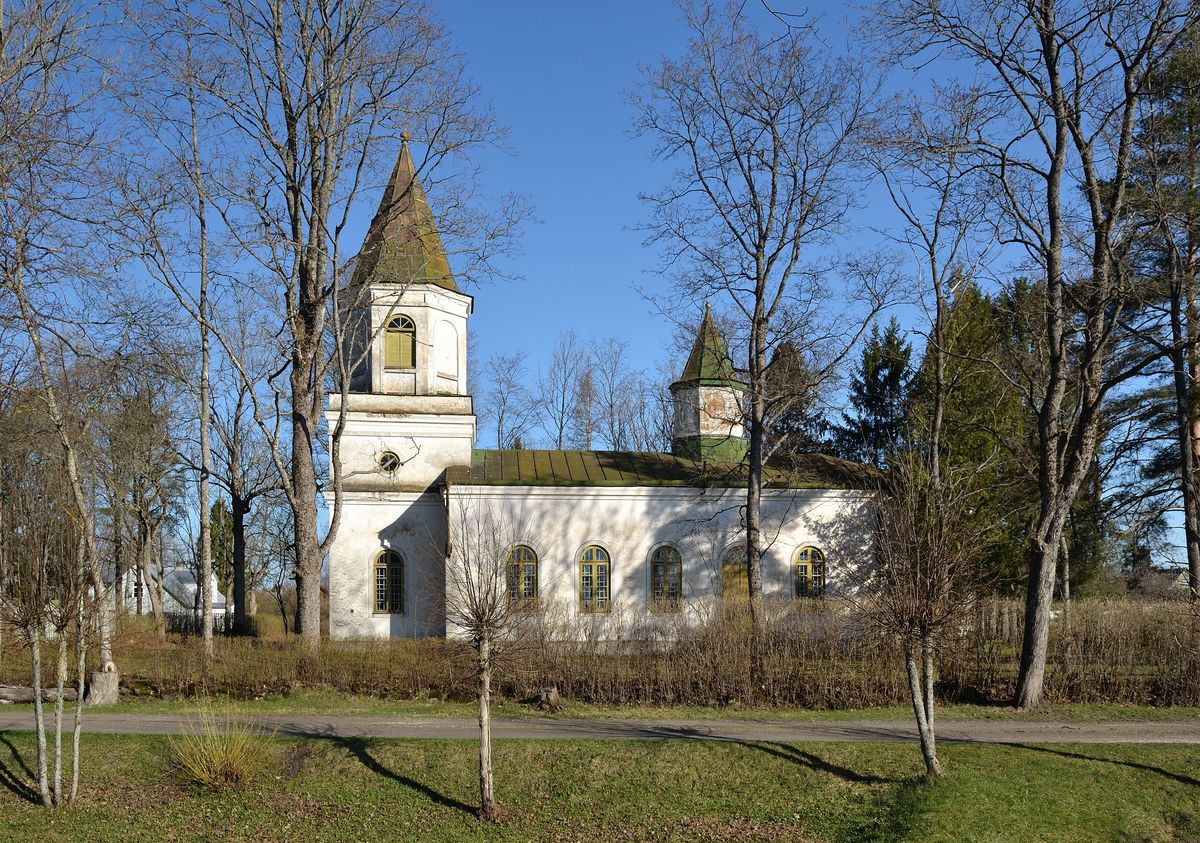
389	462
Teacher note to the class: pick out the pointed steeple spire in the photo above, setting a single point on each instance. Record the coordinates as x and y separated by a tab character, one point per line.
709	361
402	245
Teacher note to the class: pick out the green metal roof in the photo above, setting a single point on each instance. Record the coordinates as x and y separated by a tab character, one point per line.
709	361
402	245
646	468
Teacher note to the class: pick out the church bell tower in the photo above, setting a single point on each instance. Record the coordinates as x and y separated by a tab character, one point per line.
408	415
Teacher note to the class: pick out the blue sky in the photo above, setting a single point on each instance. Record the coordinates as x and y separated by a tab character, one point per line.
557	75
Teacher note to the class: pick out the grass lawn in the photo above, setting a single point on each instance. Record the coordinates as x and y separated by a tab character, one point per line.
352	789
331	702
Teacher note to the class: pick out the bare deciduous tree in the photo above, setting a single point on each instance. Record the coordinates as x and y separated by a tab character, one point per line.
764	132
306	91
558	388
481	609
47	156
508	403
925	577
45	591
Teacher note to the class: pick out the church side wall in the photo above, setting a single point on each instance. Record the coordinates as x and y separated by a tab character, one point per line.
630	523
414	525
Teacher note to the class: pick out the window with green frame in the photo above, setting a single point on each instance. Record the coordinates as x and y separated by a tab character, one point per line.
389	583
400	344
666	579
594	579
735	579
521	573
810	572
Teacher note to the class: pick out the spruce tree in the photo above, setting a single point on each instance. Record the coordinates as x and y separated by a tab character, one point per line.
879	394
796	422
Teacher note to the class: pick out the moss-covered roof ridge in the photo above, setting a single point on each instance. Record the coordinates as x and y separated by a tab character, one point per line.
522	467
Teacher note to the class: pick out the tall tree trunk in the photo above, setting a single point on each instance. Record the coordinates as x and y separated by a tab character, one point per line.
206	571
754	485
160	586
1042	556
919	662
35	649
60	684
239	507
304	512
487	797
1185	426
156	599
80	667
118	563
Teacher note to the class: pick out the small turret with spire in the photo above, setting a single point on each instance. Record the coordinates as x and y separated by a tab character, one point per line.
709	414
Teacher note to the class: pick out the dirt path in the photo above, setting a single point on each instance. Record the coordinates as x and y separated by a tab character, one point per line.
324	725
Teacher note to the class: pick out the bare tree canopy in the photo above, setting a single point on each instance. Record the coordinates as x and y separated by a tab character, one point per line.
764	132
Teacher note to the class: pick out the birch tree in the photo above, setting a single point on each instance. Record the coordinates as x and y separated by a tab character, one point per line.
46	156
43	595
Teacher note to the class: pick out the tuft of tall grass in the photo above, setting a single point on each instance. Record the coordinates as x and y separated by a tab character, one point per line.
217	751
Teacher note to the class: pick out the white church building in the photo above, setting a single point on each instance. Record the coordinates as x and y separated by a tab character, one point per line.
602	537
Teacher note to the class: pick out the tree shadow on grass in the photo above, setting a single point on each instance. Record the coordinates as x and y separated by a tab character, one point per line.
794	754
360	748
893	813
1120	762
16	777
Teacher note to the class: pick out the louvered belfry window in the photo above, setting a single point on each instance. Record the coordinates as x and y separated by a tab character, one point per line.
400	344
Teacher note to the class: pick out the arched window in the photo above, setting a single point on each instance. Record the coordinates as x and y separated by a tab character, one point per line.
389	583
810	572
521	569
666	579
735	579
400	344
593	579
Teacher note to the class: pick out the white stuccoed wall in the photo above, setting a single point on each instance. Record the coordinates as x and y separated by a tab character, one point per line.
558	522
630	522
427	433
410	523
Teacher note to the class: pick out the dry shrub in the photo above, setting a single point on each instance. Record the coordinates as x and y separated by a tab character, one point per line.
815	655
218	751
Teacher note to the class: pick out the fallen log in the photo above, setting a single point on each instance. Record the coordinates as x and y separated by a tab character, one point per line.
24	694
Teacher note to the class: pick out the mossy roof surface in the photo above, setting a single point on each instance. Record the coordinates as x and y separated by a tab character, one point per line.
402	245
647	468
709	361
